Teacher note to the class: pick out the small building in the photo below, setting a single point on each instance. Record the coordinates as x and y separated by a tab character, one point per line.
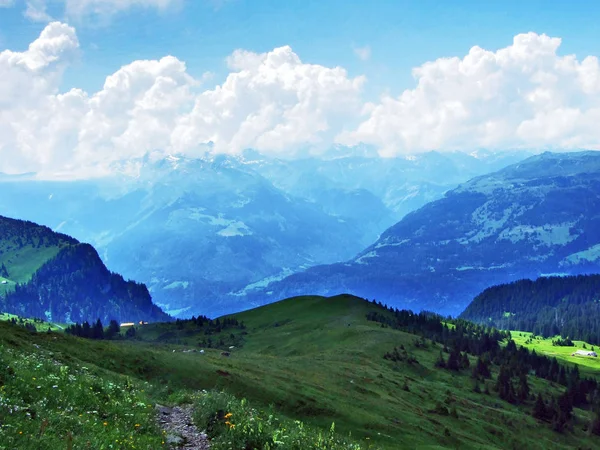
585	353
4	282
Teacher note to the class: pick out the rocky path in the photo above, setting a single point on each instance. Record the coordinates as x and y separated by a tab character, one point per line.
181	433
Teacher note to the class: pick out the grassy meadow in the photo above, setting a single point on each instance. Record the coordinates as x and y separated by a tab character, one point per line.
298	368
589	366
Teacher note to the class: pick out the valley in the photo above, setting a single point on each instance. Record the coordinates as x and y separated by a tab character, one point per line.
250	219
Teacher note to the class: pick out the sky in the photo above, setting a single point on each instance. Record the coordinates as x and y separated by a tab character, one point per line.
90	82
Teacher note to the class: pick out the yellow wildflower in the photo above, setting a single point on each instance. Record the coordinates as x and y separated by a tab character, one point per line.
228	415
105	423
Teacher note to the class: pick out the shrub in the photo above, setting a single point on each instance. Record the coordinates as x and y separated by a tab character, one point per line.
233	423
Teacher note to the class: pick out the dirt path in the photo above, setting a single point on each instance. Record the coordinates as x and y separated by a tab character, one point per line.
181	433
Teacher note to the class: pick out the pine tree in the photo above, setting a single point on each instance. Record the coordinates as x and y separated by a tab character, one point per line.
440	361
98	330
453	360
539	409
523	391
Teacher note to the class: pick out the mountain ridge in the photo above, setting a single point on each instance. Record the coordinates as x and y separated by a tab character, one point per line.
520	222
53	276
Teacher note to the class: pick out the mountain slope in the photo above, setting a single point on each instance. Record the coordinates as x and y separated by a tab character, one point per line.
323	359
53	276
567	306
203	233
537	217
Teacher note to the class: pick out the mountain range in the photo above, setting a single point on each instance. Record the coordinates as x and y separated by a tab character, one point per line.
203	233
537	217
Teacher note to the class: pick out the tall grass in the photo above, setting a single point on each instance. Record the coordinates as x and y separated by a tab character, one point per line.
45	404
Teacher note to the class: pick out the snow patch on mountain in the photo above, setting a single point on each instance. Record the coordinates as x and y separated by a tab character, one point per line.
361	260
236	228
590	255
264	282
177	285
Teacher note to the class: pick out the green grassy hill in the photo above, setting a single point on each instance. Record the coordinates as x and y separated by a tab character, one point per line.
321	361
587	365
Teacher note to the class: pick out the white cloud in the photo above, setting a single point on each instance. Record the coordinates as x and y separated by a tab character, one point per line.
6	3
272	101
363	53
522	95
103	8
36	11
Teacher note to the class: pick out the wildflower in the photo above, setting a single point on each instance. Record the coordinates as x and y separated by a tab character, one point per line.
137	425
228	415
20	432
105	423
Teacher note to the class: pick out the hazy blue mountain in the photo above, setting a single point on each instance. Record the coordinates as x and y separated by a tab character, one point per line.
541	216
203	232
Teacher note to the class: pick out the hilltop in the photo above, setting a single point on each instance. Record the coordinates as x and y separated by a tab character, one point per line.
370	370
52	276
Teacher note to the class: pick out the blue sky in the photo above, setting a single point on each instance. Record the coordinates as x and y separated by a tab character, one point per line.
291	76
400	34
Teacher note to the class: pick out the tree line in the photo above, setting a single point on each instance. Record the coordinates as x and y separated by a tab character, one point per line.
494	348
548	306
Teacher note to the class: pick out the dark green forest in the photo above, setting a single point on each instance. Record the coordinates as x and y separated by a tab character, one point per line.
548	306
75	286
56	278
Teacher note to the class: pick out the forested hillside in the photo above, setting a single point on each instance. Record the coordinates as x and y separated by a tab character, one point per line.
548	306
24	248
53	276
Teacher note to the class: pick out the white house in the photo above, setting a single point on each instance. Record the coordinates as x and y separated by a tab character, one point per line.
4	282
584	353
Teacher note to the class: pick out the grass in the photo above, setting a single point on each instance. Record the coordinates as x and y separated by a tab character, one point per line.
23	262
46	404
40	325
316	360
588	366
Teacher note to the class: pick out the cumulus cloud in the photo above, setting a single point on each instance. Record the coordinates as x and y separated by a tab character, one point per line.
523	95
271	101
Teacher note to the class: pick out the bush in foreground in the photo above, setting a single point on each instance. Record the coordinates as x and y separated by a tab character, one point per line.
233	424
